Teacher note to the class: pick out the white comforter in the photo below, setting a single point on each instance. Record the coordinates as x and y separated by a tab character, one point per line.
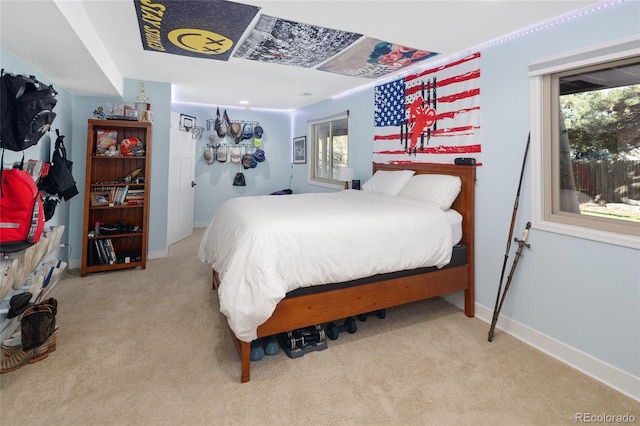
262	247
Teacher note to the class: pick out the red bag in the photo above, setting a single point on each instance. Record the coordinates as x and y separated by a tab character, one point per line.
21	211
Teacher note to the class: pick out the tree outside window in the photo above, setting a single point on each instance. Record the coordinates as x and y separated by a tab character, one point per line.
599	142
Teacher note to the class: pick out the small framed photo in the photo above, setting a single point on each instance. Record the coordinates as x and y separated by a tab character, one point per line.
300	150
131	113
187	122
100	198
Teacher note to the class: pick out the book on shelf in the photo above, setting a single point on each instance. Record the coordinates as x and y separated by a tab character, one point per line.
95	188
123	194
135	193
134	196
100	252
105	251
119	194
107	255
112	251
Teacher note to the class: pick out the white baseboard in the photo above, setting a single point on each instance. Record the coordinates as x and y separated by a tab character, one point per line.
158	254
74	264
611	376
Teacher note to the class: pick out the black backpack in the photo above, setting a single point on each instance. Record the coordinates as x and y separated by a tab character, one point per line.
25	110
59	180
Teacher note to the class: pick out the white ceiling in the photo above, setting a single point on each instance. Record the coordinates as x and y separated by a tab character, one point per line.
89	47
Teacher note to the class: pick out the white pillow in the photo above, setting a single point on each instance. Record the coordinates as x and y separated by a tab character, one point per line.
388	182
439	190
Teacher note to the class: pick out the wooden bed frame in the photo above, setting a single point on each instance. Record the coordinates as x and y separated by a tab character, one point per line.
319	308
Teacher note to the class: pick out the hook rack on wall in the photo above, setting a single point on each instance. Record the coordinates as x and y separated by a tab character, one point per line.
212	121
246	147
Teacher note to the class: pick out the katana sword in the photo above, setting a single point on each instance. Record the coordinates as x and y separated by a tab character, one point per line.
521	245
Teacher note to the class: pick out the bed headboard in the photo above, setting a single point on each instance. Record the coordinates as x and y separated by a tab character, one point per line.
464	204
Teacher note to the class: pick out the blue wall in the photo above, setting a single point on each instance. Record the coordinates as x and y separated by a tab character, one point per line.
560	291
360	106
580	292
214	181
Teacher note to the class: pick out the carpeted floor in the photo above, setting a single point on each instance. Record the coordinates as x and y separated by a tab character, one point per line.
149	347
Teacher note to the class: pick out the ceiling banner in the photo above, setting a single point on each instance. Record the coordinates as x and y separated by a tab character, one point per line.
285	42
372	58
202	29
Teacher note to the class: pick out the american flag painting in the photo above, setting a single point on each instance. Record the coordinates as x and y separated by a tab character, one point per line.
432	116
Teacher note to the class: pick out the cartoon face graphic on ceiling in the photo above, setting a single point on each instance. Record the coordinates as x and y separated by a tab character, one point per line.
200	41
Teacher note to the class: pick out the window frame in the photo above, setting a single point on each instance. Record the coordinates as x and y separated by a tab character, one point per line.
313	160
544	146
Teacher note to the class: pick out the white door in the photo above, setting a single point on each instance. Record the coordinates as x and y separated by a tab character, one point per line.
182	153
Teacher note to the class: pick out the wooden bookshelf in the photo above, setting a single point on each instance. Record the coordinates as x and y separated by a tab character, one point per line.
125	222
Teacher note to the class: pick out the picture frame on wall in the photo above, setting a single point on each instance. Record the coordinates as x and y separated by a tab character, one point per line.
300	150
187	122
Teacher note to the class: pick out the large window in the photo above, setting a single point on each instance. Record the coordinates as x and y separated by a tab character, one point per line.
587	132
329	148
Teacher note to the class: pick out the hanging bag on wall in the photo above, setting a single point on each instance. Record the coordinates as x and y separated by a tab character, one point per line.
60	180
21	211
26	110
239	180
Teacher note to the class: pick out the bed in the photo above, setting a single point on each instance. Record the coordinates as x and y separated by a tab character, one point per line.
331	296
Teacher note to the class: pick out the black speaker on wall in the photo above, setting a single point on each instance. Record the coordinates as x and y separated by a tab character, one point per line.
355	184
